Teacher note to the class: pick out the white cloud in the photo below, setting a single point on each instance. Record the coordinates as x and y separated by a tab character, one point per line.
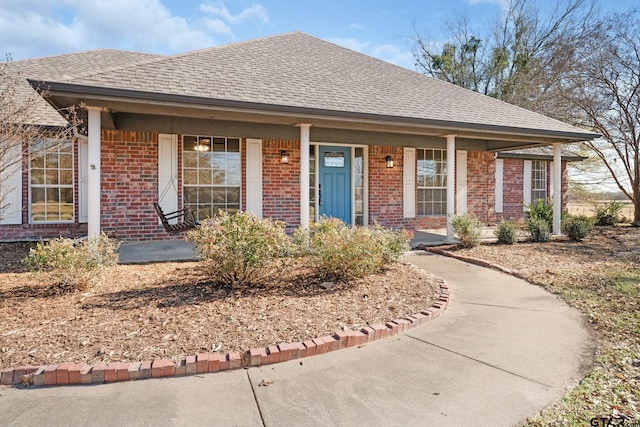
216	25
255	13
31	28
395	55
352	44
502	4
386	52
355	27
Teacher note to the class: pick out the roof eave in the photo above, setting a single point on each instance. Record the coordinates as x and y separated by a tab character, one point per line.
567	158
55	89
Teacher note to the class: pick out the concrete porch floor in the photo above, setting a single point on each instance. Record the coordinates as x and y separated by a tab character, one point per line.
179	250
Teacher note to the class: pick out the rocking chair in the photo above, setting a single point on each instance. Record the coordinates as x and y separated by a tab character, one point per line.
188	220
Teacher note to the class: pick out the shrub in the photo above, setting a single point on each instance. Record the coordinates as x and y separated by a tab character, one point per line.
609	214
73	264
540	209
539	229
506	232
468	230
240	249
338	252
577	227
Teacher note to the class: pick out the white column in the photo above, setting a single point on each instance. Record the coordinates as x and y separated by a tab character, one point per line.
451	182
93	172
557	189
304	175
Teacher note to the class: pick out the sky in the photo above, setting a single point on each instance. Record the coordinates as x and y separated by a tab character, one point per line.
383	29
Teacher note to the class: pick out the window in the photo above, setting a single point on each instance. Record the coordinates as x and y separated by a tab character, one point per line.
432	181
312	183
538	180
211	174
51	181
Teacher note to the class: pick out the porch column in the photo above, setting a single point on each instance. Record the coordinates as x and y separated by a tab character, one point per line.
557	188
93	172
451	182
304	174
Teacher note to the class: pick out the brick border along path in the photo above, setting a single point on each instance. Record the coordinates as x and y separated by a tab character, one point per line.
72	373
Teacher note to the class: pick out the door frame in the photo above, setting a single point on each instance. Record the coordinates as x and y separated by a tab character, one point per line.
365	171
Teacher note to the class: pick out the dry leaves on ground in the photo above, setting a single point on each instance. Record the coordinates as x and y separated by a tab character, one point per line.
170	310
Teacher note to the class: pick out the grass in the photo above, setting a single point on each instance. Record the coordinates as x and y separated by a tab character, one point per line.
612	389
601	278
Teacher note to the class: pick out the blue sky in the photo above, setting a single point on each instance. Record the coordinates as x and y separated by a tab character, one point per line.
383	29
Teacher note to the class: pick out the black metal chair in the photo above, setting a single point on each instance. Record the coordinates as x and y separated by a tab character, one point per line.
186	215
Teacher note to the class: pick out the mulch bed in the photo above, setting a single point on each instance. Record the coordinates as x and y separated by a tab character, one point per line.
171	310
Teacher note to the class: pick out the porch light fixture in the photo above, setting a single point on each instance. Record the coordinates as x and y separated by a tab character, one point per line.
284	157
389	161
202	145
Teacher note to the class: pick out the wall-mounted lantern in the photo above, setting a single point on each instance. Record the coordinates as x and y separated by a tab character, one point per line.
284	157
389	161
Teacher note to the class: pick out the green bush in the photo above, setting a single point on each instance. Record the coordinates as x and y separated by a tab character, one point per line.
507	231
609	214
540	209
577	227
468	230
73	264
241	249
539	229
338	252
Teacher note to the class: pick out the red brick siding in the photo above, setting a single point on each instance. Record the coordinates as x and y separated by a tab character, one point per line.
130	186
281	182
481	195
385	187
512	189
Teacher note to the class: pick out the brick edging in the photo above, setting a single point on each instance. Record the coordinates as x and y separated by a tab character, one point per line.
74	374
472	260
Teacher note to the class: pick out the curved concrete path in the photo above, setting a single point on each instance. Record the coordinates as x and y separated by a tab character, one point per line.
501	352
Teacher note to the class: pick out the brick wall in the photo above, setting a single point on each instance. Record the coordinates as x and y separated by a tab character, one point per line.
513	189
281	182
481	196
385	187
130	186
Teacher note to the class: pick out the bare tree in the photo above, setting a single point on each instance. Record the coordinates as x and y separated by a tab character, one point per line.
28	124
605	92
522	59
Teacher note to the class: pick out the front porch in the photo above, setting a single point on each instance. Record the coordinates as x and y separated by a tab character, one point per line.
178	250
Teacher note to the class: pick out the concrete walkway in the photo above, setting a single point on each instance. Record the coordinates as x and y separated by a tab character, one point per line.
501	352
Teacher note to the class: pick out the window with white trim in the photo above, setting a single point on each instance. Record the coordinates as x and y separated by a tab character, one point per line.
211	174
51	181
538	180
431	181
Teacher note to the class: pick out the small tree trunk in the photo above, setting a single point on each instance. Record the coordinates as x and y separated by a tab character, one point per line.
636	212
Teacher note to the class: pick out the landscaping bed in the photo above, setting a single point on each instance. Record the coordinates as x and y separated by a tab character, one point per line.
171	310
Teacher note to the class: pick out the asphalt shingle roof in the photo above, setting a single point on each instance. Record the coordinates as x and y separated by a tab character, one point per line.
294	71
298	70
65	67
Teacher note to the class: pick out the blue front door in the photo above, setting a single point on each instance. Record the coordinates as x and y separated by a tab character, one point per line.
335	182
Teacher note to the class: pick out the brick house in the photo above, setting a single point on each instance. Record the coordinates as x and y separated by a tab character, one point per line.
289	127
